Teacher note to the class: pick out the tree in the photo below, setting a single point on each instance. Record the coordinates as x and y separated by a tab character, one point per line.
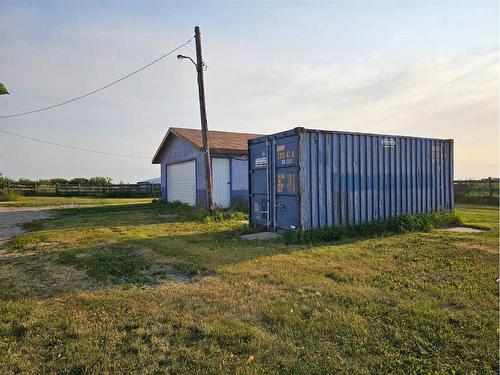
3	90
26	181
79	181
58	180
100	181
4	181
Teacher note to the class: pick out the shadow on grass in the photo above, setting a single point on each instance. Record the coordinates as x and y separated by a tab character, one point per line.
119	261
137	262
38	276
102	216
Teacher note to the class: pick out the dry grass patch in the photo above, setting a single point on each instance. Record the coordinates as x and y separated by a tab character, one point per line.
476	246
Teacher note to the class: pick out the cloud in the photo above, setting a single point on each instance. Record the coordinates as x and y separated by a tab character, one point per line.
439	97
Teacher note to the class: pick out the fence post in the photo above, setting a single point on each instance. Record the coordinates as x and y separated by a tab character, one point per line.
490	184
79	188
8	186
57	188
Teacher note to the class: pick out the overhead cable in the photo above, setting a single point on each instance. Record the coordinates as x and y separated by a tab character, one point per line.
73	147
98	89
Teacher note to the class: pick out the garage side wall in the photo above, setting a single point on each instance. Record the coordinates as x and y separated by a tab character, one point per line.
239	180
177	150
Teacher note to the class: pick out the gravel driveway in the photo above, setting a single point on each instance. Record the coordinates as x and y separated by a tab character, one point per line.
11	219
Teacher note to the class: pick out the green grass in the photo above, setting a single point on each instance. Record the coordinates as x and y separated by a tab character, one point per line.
152	289
22	201
112	264
477	198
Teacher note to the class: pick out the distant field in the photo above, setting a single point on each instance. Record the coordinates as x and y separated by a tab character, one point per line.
141	289
60	201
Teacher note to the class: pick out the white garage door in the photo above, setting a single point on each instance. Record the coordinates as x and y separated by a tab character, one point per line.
181	182
221	180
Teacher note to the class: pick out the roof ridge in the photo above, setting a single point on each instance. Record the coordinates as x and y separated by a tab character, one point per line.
214	131
224	142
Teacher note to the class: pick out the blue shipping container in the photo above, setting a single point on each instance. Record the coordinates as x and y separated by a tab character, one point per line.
303	179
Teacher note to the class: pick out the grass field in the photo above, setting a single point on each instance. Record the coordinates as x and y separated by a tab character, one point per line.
22	201
141	289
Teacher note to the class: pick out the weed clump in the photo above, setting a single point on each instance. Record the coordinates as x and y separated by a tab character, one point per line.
190	269
9	196
239	205
109	264
198	213
395	225
226	215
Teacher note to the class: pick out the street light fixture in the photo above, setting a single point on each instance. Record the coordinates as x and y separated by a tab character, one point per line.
180	57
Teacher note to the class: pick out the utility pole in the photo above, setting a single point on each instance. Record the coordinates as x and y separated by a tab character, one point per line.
203	115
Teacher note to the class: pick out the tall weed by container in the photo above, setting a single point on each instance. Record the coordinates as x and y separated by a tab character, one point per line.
396	225
199	213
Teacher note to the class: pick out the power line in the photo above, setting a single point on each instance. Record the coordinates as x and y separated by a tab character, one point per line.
73	147
190	49
84	96
100	88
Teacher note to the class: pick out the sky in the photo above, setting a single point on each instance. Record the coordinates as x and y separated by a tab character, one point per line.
420	68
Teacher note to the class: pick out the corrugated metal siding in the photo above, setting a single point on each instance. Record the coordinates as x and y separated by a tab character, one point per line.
348	178
353	178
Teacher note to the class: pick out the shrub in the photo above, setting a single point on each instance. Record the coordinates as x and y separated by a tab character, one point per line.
222	215
395	225
239	205
4	181
10	196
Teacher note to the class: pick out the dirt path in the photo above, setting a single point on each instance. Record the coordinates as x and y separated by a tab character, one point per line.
11	219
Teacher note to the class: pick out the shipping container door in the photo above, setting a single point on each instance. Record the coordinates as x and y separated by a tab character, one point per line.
221	182
285	183
259	183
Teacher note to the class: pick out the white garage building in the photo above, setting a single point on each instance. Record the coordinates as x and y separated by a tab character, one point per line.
182	170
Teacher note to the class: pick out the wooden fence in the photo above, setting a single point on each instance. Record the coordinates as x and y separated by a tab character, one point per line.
465	190
115	190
